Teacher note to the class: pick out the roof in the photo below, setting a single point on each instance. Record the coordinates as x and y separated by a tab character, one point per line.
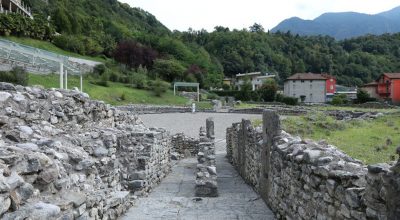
392	75
370	84
248	74
263	77
326	75
306	76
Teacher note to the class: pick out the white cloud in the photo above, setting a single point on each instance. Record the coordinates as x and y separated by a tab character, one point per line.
198	14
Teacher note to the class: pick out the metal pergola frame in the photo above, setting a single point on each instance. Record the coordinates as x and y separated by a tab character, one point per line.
187	84
15	53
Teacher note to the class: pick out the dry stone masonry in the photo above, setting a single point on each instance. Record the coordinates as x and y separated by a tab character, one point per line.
64	156
303	179
184	146
206	175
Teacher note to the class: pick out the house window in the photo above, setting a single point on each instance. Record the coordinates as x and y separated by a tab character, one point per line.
310	81
302	81
294	81
310	86
331	80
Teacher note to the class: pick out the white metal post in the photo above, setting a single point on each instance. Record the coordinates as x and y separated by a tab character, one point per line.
198	93
61	75
81	81
66	79
174	89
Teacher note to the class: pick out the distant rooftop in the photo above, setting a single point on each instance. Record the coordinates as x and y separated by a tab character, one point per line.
392	75
248	74
307	76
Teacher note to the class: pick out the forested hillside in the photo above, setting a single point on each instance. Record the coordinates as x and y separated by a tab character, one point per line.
353	62
147	50
131	36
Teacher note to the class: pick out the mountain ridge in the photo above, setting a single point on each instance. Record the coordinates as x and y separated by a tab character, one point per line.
344	25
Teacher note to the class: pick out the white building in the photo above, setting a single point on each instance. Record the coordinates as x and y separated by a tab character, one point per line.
307	87
256	79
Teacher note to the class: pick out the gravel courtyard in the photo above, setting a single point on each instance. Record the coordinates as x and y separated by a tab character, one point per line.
190	123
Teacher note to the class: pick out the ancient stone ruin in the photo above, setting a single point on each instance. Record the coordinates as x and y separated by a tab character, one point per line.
206	174
303	179
65	156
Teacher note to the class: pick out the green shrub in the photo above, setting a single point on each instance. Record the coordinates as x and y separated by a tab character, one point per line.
123	97
289	100
212	96
139	80
17	76
339	99
363	97
268	90
78	44
226	87
159	87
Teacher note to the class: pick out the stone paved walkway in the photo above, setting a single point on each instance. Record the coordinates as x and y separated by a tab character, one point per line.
174	197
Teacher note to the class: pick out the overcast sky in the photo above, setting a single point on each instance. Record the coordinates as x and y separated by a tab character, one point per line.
239	14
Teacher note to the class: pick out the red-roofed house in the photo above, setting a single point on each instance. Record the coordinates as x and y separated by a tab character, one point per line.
310	87
386	87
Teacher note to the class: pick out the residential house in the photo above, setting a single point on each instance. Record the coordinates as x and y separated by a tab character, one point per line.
310	87
256	79
330	86
386	87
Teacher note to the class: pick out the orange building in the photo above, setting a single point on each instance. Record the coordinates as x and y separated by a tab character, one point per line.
386	87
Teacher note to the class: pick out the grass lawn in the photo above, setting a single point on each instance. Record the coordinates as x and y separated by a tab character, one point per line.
364	140
45	45
113	94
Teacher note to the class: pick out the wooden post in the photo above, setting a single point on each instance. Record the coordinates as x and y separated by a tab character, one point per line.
61	75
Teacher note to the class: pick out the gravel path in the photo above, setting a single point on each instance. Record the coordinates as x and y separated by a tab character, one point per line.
190	124
174	197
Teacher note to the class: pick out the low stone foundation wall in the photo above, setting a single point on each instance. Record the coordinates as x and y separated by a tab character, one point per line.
184	145
154	109
64	156
291	110
303	179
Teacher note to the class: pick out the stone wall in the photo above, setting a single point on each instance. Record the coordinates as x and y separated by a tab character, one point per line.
65	156
184	145
189	95
303	179
282	110
154	109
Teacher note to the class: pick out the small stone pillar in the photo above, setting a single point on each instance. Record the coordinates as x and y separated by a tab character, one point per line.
271	129
210	128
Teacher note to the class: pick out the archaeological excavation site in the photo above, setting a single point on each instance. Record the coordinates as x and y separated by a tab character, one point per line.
65	156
